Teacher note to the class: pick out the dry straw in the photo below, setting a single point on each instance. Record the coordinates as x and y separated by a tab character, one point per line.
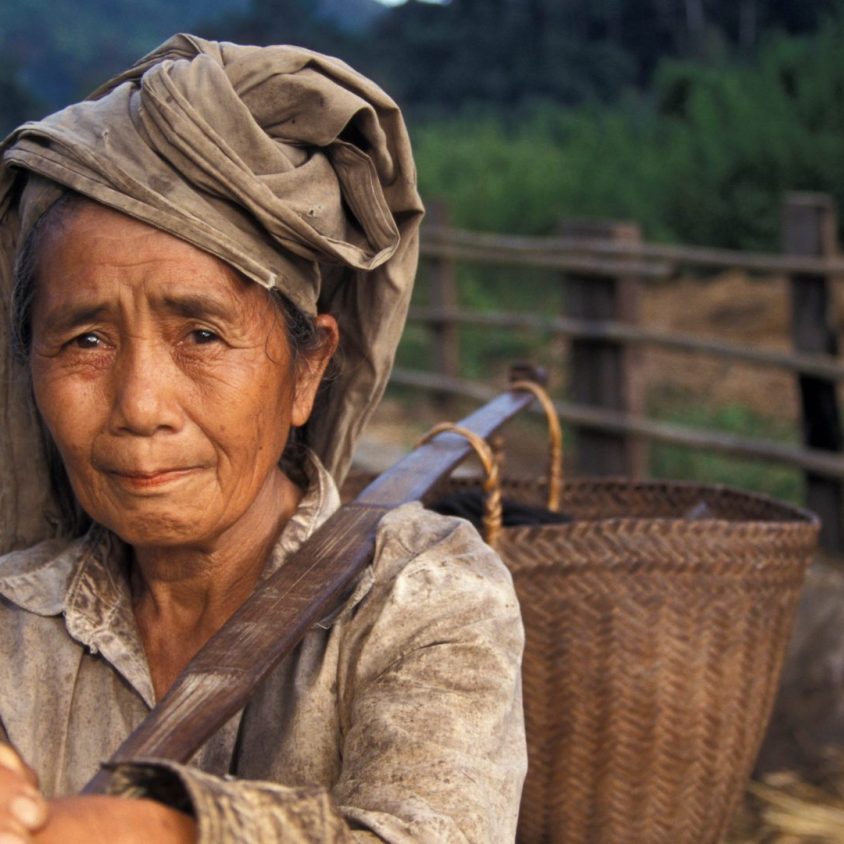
785	807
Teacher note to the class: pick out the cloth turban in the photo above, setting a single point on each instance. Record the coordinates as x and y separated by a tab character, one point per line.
287	164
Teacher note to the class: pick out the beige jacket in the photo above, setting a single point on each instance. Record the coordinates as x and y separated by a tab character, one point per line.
397	720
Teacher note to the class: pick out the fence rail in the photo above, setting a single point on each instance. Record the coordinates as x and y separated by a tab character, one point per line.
730	445
654	260
819	366
602	266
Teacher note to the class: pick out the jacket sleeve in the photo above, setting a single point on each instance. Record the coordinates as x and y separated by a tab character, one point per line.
429	693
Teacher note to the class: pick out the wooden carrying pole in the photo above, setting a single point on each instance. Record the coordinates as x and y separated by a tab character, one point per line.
313	581
809	229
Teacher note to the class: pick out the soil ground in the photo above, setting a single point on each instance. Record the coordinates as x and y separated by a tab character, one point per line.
732	308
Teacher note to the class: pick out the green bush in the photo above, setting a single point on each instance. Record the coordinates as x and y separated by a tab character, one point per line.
680	462
705	158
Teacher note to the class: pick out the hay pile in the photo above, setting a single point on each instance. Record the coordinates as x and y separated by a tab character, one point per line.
785	808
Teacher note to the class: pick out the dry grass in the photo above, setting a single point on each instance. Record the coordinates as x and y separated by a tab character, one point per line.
785	807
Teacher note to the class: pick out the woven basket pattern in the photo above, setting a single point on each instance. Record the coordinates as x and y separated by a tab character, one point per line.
653	650
654	646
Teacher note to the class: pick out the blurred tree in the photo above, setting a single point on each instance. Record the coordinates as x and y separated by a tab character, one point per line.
64	48
437	58
743	22
17	102
329	26
704	158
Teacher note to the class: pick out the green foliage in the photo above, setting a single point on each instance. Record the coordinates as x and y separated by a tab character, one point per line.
705	159
62	49
17	103
739	137
679	462
525	175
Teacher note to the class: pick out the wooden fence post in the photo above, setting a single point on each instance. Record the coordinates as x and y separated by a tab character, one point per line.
605	373
445	338
809	224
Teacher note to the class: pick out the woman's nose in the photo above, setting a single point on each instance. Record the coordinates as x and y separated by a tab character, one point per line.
145	389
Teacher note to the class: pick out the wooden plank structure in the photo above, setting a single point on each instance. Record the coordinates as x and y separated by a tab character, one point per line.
603	372
602	265
443	293
809	229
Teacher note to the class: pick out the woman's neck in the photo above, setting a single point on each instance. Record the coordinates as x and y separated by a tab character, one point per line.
182	595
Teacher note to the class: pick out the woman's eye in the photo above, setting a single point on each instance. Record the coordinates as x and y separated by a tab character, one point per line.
87	341
203	335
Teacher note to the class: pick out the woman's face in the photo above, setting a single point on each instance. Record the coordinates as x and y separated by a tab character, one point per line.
165	380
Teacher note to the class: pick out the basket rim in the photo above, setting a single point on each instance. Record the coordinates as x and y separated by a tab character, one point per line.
791	513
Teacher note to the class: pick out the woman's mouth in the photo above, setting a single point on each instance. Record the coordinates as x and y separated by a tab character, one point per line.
154	478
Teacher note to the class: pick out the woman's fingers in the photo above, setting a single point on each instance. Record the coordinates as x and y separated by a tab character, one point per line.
12	761
23	809
29	809
14	833
22	813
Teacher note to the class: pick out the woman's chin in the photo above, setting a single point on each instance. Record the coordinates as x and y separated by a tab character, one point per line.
190	507
159	515
153	530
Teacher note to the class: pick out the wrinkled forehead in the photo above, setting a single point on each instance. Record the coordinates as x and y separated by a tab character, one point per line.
86	233
76	222
88	256
46	207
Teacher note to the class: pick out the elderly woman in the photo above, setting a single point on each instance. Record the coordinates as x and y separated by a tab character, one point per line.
182	254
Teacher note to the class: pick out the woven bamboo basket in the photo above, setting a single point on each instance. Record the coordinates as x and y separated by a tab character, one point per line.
656	624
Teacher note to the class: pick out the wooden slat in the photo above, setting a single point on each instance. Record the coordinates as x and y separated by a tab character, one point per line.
602	370
586	264
442	287
822	366
696	438
654	259
810	228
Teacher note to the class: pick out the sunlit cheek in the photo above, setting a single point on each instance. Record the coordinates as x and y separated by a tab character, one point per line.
91	494
256	460
70	407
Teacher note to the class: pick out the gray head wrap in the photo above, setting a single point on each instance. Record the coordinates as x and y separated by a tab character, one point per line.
285	163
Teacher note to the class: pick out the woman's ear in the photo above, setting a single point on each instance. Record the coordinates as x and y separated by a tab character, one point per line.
310	368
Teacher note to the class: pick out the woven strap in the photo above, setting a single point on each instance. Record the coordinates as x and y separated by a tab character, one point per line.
492	478
555	438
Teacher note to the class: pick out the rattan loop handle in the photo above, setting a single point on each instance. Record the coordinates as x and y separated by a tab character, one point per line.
492	480
555	437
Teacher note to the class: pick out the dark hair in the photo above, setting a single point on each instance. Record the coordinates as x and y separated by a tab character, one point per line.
26	267
306	339
303	335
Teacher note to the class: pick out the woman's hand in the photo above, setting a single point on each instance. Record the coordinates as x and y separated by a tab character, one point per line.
27	817
114	820
23	809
